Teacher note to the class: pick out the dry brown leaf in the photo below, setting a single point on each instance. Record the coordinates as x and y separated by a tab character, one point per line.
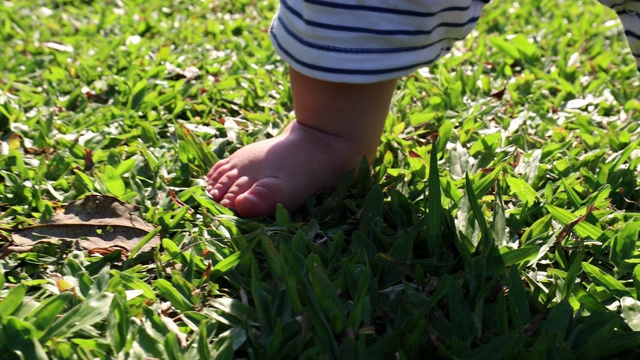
567	229
95	221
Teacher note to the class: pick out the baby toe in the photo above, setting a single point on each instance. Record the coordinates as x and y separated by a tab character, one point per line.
237	189
219	188
218	170
260	199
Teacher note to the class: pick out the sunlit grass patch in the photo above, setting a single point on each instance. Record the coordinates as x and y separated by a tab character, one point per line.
500	218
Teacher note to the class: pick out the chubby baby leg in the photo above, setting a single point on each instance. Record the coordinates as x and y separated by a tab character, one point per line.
336	126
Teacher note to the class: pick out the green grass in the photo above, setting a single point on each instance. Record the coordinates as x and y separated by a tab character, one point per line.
500	218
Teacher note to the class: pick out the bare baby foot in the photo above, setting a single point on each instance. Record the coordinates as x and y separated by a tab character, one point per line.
286	169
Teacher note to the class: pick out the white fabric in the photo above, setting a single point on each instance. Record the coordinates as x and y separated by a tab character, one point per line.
366	41
629	13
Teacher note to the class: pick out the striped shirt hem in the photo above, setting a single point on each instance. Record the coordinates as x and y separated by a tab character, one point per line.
352	41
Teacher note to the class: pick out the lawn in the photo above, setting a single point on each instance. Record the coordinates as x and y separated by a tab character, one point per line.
500	219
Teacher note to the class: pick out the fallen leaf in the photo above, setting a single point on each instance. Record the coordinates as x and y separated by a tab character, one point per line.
171	325
15	141
177	201
58	46
96	221
107	251
63	285
191	73
567	229
175	72
88	160
498	95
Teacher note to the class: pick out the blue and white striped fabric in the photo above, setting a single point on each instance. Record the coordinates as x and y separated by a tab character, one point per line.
629	13
358	41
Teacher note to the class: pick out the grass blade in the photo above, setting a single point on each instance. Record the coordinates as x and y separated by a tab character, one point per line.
434	202
487	241
168	292
12	301
604	279
89	312
22	339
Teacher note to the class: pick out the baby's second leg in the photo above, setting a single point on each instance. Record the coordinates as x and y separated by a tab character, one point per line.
336	125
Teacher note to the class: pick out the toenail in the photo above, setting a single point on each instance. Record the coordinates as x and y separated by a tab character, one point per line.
215	193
